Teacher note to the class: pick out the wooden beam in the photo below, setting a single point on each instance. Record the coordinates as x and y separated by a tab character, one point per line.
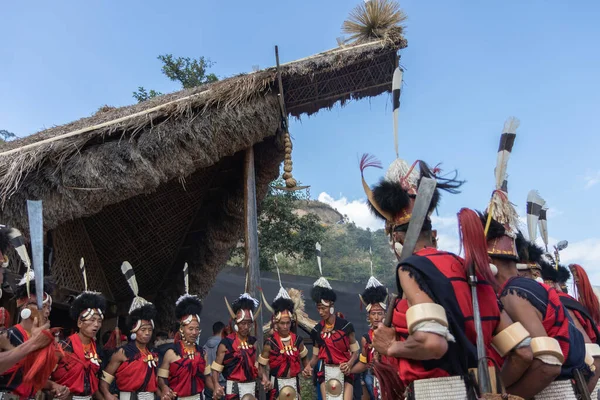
251	239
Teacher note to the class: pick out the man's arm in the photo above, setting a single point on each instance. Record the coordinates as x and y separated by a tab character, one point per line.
263	366
539	374
518	359
361	366
217	368
12	354
108	375
163	375
419	345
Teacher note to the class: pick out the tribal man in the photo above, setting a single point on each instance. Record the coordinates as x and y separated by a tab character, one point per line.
134	366
435	317
284	353
557	278
374	299
12	380
236	355
79	368
184	371
334	346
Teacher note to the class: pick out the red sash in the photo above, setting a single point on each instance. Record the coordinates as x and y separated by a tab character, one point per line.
282	363
135	375
76	372
186	375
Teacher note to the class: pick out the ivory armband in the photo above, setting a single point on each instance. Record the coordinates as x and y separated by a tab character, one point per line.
362	359
592	349
425	312
216	367
108	378
315	351
509	338
354	347
163	373
207	370
262	360
304	352
547	346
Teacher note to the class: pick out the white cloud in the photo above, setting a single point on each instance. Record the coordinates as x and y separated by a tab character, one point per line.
356	210
592	179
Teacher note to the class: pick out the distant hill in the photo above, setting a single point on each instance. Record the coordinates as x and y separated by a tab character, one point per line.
327	214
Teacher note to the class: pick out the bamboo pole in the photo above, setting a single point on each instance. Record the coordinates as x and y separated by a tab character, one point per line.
251	241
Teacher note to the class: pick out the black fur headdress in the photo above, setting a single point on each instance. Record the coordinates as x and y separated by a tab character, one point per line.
87	300
549	271
322	291
374	295
147	312
283	304
20	291
563	274
187	305
394	199
496	229
244	302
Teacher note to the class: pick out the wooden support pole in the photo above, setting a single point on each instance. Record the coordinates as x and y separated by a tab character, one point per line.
251	240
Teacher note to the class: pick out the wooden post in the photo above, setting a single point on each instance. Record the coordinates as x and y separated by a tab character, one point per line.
251	240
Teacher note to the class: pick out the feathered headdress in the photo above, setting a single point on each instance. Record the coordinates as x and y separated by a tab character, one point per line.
322	292
500	208
543	223
86	305
188	306
535	203
549	271
563	275
282	304
374	293
245	304
88	302
393	198
23	297
16	240
129	274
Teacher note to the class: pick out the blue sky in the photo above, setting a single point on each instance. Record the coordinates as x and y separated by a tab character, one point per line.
469	65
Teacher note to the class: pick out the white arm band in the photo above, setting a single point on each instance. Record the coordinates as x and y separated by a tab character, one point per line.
592	349
547	350
425	312
510	338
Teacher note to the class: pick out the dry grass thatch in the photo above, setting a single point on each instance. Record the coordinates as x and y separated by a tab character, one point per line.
374	19
160	182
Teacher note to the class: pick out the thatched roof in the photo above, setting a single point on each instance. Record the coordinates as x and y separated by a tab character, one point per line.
160	182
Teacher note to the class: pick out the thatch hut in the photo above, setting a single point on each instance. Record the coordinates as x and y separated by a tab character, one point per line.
161	183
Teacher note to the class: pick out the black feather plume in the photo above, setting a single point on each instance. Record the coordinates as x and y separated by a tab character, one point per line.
189	305
549	273
535	253
87	300
319	293
522	247
390	197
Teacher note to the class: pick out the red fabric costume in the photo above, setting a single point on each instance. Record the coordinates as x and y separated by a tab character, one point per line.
582	315
76	369
334	346
239	363
12	380
442	274
555	320
186	375
135	375
282	364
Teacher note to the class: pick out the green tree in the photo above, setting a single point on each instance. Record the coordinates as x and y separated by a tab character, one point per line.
188	71
6	135
282	232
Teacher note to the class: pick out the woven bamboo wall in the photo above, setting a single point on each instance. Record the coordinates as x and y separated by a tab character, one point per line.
71	242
